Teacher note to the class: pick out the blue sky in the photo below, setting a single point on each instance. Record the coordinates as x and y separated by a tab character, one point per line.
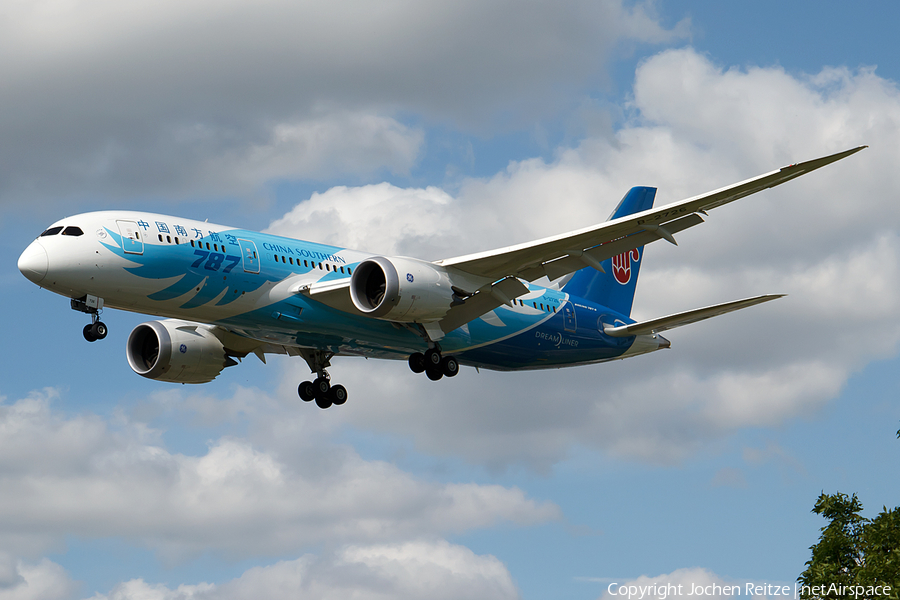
437	131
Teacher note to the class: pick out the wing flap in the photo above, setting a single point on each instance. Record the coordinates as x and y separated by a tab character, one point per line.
501	292
594	256
686	318
335	293
321	287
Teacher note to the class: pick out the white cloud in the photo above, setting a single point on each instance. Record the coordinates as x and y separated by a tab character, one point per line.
79	476
138	589
827	240
45	580
380	218
409	570
162	98
339	143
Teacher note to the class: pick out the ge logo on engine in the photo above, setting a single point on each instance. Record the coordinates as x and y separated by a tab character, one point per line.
409	277
183	349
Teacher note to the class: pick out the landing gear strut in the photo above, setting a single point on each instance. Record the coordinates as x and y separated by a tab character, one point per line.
433	364
91	305
320	389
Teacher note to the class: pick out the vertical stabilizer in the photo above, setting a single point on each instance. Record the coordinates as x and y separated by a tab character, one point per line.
615	288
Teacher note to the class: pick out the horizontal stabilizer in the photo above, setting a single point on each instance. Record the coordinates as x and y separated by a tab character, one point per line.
685	318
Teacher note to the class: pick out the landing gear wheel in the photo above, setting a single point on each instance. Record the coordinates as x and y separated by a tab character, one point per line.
417	362
434	373
307	391
321	386
338	395
88	333
99	330
432	358
322	389
449	366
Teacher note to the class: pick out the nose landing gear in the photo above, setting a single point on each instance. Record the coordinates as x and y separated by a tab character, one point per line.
433	364
95	331
91	305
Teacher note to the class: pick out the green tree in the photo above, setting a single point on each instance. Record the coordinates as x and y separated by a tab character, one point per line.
837	556
853	550
880	546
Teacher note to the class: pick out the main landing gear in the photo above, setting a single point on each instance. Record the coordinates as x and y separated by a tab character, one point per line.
433	364
91	305
320	389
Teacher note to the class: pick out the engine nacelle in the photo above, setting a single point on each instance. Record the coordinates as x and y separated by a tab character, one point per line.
401	289
176	351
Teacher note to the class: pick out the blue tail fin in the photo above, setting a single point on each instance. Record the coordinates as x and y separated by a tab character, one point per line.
615	288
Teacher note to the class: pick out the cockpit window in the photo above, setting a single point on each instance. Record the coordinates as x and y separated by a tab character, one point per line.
76	231
51	231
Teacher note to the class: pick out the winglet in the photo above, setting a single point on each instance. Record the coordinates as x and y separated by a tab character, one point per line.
818	163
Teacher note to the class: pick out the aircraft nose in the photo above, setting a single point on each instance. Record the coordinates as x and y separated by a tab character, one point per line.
34	262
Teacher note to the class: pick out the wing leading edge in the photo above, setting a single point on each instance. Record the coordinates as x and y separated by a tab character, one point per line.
503	269
562	254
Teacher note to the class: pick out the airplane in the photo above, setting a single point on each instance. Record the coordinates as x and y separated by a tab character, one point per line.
226	293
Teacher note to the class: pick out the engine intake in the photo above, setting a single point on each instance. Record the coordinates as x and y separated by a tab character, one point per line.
398	289
176	351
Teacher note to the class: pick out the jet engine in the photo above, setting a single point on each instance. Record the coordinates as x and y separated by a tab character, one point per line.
176	351
401	289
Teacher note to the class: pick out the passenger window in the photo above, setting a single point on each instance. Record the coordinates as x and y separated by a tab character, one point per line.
74	231
160	237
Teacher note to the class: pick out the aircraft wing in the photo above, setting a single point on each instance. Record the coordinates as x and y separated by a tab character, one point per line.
685	318
566	253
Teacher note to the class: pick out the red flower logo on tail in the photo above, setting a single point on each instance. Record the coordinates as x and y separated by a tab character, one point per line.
621	265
